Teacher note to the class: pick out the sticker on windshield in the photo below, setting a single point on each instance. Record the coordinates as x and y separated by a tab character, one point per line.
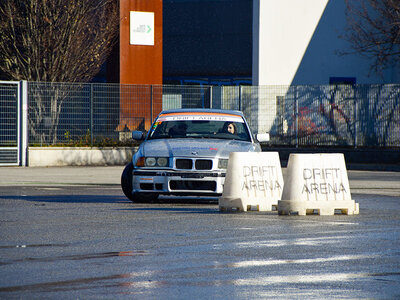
200	117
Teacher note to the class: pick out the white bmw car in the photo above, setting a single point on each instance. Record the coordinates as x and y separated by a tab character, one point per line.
186	152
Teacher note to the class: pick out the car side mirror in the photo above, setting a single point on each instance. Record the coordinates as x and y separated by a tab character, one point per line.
262	137
138	135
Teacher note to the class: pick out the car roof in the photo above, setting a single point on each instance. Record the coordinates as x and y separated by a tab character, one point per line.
202	110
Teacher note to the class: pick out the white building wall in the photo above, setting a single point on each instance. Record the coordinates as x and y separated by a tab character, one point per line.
282	30
322	60
298	42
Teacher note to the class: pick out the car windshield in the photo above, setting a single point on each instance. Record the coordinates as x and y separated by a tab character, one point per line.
197	125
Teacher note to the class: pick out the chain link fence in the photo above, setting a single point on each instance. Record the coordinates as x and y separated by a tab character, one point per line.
8	114
303	116
9	123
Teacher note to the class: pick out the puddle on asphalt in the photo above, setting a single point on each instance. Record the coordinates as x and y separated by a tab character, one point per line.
47	286
69	257
260	263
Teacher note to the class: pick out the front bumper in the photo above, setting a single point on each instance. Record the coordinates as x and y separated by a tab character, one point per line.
171	182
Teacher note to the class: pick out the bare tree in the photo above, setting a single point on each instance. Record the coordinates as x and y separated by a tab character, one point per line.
373	30
54	41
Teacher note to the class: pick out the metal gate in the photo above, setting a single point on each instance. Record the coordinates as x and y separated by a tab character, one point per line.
11	125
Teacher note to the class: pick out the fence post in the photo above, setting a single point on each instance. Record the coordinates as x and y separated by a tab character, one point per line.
296	116
23	147
355	116
151	104
240	98
91	114
211	96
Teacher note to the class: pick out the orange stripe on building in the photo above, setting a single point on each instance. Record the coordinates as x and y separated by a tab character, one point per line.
140	68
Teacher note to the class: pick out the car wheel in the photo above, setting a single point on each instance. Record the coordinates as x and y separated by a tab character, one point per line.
126	184
126	181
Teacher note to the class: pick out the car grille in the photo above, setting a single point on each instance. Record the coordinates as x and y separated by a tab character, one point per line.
186	164
193	185
199	164
203	164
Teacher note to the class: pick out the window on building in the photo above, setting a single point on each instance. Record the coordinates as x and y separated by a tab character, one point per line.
342	80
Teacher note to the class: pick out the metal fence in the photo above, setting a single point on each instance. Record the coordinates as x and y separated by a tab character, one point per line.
302	116
9	123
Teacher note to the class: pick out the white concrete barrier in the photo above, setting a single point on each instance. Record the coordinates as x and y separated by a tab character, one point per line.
253	182
79	156
316	184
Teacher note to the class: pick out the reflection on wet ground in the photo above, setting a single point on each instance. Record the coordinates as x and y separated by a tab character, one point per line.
182	269
70	257
135	282
60	246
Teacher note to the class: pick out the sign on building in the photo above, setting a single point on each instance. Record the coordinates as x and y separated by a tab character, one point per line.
141	28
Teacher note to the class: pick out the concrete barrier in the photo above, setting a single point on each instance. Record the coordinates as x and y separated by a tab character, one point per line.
79	156
253	182
316	184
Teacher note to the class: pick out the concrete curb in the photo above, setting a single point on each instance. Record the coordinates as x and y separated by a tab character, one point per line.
79	156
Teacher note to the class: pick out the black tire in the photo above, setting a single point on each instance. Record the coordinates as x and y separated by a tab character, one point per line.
126	181
126	185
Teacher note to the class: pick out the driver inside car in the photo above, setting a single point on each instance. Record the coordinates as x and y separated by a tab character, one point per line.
178	130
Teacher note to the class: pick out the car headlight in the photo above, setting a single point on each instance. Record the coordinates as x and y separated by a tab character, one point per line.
152	162
222	163
162	161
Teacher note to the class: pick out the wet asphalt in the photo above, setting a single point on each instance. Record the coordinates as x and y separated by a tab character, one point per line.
69	233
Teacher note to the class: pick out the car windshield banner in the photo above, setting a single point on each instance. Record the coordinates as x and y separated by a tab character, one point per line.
200	117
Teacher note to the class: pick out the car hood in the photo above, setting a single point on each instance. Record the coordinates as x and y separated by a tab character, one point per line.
195	147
